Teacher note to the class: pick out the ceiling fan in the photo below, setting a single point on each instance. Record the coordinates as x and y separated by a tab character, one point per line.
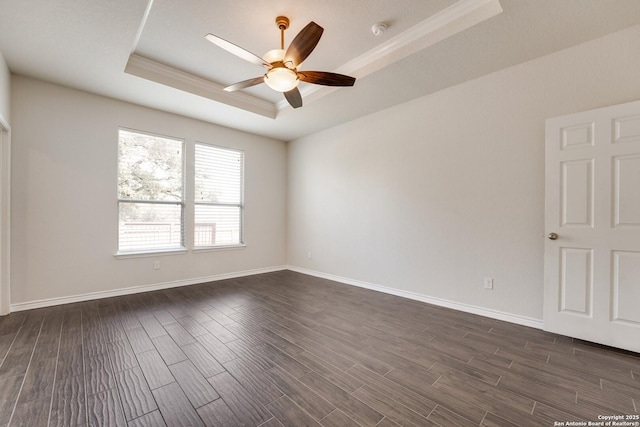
282	66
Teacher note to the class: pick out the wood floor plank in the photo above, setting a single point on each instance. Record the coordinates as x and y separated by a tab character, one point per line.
122	355
93	343
164	316
284	361
137	399
388	407
113	330
216	348
245	408
12	322
193	326
32	413
254	354
10	387
195	386
104	409
5	344
152	419
351	406
179	334
38	383
70	362
450	401
329	372
615	388
618	370
98	374
218	414
139	340
452	366
152	327
302	395
155	370
444	417
254	380
218	316
127	316
203	360
68	407
548	415
492	420
386	422
393	390
219	331
175	407
168	349
49	337
325	353
484	395
337	418
17	359
290	414
603	401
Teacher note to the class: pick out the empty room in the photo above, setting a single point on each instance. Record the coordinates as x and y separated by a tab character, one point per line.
340	213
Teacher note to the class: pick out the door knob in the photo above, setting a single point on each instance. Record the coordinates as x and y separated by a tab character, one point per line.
552	236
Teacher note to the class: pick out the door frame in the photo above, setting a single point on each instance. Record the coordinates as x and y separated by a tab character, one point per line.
5	217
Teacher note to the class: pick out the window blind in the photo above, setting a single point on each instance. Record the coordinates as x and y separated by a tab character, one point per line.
218	196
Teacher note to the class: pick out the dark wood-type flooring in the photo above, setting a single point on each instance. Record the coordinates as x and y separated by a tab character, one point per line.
288	349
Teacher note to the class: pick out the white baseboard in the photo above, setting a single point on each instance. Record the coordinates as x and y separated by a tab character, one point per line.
138	289
493	314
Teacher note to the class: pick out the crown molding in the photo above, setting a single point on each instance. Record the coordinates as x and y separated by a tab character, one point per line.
456	18
149	69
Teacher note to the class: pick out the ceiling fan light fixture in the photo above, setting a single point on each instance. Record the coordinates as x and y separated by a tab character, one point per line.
274	55
282	65
281	79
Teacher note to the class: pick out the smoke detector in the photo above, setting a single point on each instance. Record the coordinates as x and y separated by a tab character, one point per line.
378	28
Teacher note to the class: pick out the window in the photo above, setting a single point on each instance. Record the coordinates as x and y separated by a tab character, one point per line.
218	196
150	192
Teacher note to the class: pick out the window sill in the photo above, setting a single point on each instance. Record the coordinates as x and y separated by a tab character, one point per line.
148	254
219	248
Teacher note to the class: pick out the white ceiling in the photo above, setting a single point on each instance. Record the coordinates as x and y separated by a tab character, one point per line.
154	53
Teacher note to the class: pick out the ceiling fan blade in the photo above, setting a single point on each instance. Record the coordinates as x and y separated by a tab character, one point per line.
303	44
325	78
237	50
244	84
294	97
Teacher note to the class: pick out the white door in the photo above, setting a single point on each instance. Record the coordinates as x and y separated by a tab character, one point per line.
592	197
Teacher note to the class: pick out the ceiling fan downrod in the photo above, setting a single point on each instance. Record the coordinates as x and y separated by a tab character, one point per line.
283	23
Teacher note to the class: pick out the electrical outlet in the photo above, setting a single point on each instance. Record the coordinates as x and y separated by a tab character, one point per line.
488	283
156	265
309	255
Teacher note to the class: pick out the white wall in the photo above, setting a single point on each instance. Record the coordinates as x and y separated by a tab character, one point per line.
64	211
433	195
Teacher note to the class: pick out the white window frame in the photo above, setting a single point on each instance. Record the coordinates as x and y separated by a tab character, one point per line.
151	252
239	205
